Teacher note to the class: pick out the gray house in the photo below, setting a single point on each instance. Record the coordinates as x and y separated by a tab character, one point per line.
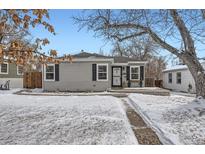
13	73
93	72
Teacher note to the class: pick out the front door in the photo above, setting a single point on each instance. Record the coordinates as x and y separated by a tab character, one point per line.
117	76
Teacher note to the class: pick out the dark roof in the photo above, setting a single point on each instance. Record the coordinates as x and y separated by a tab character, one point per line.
124	59
117	59
86	55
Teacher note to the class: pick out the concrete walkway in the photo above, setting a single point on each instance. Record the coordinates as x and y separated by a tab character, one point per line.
29	92
112	92
145	90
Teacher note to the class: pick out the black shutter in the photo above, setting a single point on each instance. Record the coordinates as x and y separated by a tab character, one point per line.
56	72
128	73
128	76
94	72
141	72
141	75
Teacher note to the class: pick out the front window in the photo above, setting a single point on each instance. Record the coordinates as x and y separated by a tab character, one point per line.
179	76
170	77
19	70
134	72
50	72
102	72
4	68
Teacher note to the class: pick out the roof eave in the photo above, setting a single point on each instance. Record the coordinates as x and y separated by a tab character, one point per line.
172	70
137	62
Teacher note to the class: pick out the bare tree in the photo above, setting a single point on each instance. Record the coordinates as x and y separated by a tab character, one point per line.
118	49
178	31
142	49
154	67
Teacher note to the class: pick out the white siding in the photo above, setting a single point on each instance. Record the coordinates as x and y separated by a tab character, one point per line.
186	79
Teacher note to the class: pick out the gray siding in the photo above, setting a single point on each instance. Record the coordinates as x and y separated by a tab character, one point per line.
16	81
12	72
78	77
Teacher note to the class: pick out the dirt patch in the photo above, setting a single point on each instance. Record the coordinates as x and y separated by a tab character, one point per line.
135	119
144	134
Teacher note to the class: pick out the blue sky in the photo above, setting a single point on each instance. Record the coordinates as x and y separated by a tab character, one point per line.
69	40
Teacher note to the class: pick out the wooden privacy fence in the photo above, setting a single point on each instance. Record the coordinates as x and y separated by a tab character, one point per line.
32	80
151	82
158	83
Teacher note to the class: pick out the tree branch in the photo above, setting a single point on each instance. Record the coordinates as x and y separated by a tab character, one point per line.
129	36
203	13
164	44
147	30
185	34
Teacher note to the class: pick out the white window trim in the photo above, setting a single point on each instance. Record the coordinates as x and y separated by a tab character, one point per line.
138	73
106	72
7	69
53	72
18	70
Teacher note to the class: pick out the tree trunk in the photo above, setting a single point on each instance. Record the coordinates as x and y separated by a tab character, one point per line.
200	85
197	72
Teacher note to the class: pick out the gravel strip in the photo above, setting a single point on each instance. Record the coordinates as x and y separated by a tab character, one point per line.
144	134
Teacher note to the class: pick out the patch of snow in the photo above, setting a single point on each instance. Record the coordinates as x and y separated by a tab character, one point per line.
11	91
182	94
181	119
37	90
42	92
63	120
124	103
199	73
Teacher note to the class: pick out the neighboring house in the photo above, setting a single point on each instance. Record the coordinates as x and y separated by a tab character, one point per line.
179	78
13	73
93	72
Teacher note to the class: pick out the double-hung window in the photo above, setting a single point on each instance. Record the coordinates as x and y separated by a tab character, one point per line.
19	70
134	72
170	77
4	68
179	77
50	72
102	72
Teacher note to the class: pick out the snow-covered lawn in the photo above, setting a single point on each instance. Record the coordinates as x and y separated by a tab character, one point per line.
63	120
178	119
